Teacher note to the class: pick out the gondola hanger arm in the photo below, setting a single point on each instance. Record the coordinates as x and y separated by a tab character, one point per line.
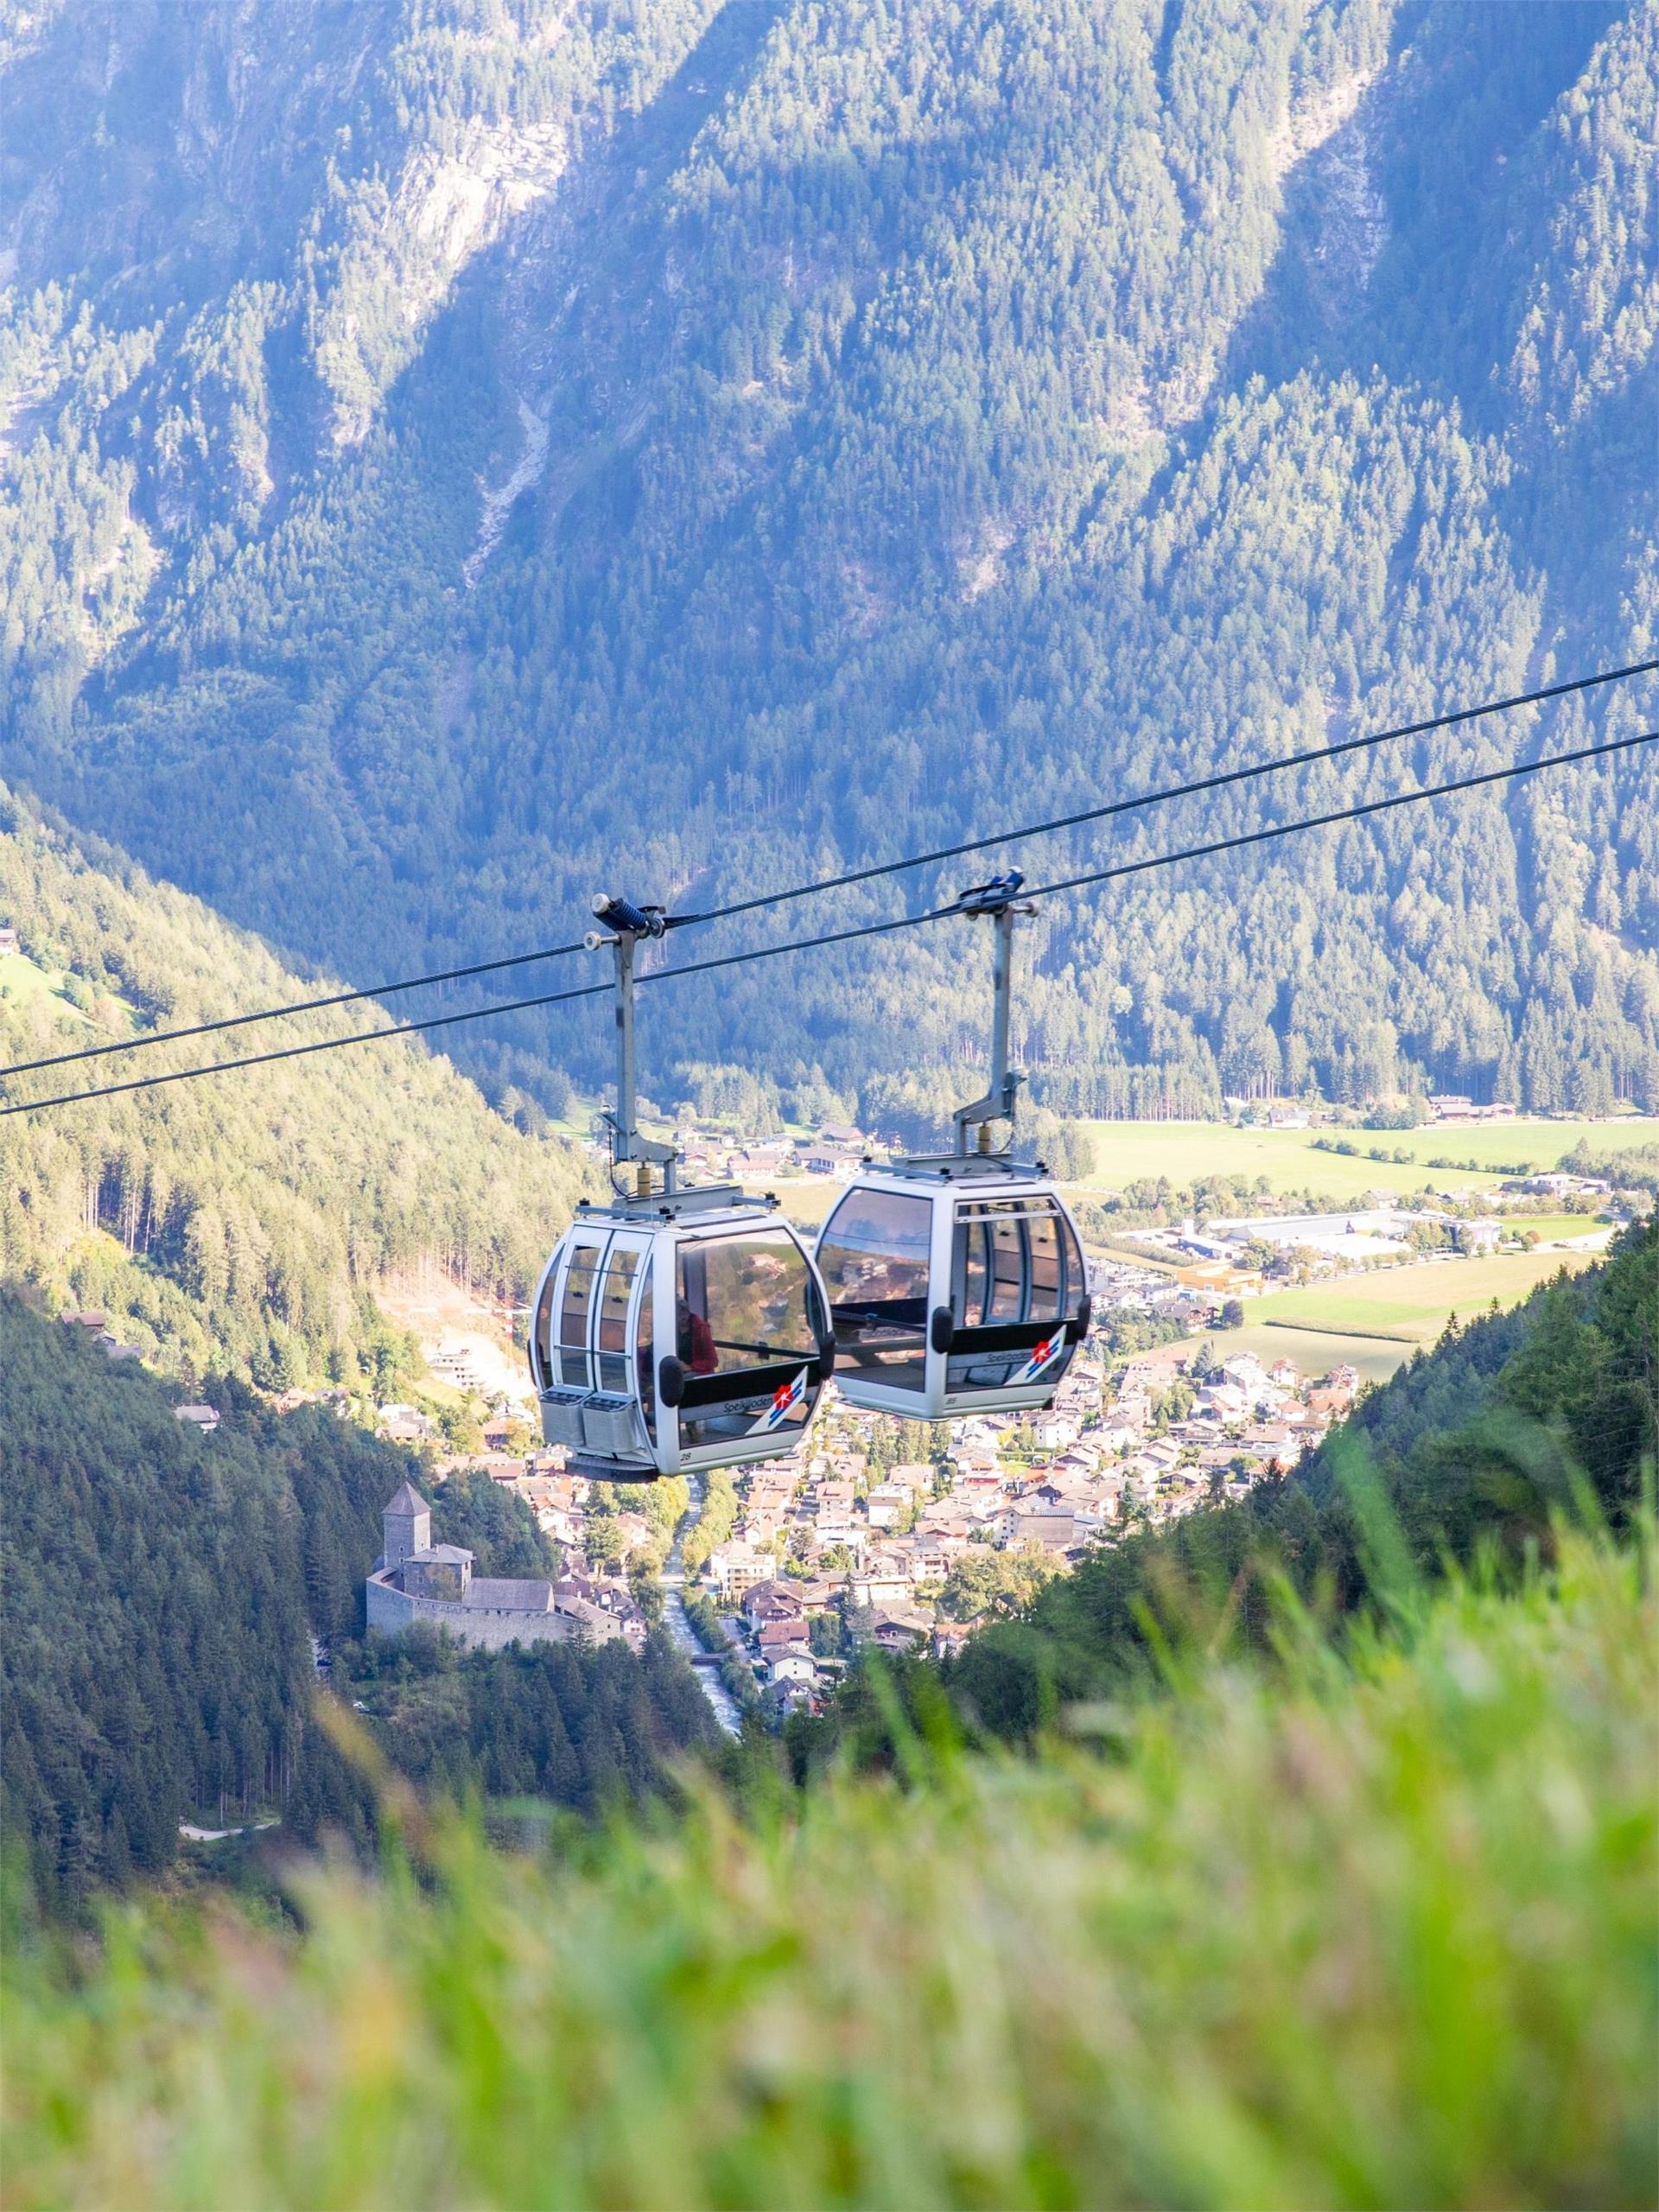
625	924
999	900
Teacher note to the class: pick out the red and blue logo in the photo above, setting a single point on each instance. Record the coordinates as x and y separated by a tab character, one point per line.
787	1395
1043	1355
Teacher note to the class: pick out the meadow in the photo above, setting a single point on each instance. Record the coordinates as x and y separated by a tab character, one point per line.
1315	1352
1415	1303
1361	1924
1183	1151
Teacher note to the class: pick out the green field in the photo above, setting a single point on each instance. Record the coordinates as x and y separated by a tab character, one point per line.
1186	1150
1315	1352
1552	1228
1408	1304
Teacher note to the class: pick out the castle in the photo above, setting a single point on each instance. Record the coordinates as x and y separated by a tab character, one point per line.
415	1580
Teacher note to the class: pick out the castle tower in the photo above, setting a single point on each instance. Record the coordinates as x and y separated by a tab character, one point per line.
407	1522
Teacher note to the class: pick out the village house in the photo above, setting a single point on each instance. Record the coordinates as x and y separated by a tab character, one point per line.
735	1568
402	1424
896	1633
911	1475
888	1588
887	1504
771	1601
1054	1528
781	1636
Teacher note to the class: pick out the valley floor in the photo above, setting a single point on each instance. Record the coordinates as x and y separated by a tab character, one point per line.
1295	1159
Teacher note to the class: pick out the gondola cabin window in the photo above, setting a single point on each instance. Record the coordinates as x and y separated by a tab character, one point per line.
744	1328
873	1257
1010	1263
613	1302
541	1335
1016	1278
575	1310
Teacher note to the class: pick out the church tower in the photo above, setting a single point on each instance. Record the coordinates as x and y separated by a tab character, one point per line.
407	1524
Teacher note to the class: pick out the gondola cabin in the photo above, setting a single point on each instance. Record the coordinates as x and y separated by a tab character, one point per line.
690	1330
955	1286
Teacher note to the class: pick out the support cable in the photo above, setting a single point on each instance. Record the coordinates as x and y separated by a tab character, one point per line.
1119	869
824	884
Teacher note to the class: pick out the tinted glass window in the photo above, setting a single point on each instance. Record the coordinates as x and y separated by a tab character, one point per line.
742	1301
874	1250
615	1292
1047	1267
1014	1259
1010	1271
575	1308
743	1304
873	1255
973	1272
1076	1280
646	1369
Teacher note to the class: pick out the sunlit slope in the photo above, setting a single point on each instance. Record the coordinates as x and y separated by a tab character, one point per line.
1375	1931
242	1217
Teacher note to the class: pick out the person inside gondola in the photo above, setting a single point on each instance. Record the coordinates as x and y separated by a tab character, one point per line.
695	1344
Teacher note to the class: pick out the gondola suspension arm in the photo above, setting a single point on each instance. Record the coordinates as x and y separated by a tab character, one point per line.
999	899
626	924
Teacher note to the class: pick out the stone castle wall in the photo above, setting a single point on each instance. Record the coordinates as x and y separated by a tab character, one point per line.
482	1627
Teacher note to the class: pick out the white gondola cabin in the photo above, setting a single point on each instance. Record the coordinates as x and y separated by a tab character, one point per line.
955	1286
692	1333
955	1282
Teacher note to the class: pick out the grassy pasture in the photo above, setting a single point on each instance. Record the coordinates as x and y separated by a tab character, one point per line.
1552	1227
1315	1352
1186	1150
1415	1302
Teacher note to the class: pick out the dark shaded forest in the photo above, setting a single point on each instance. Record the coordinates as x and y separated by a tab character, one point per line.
162	1590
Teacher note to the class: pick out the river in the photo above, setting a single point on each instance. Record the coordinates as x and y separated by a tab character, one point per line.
721	1702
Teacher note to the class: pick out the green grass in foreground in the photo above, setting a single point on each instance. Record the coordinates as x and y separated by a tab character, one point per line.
1377	1931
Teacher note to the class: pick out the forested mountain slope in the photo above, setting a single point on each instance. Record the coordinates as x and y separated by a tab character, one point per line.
459	457
238	1223
161	1592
